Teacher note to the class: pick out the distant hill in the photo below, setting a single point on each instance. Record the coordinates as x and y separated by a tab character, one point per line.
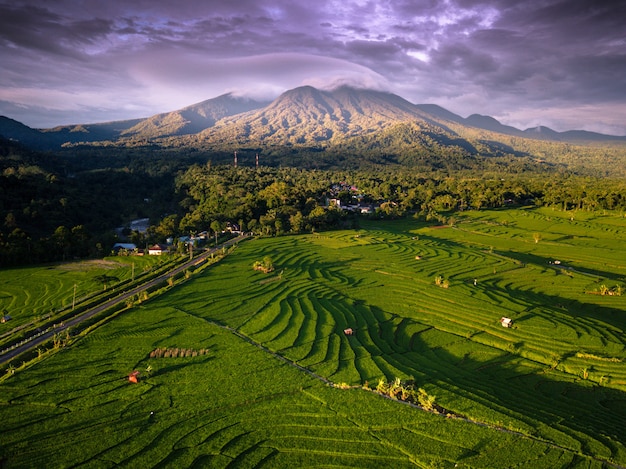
189	120
570	136
16	131
192	119
304	116
105	131
489	123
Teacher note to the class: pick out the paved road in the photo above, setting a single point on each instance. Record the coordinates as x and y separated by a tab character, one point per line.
36	341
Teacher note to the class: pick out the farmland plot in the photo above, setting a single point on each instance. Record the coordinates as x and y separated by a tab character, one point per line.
234	406
28	293
557	376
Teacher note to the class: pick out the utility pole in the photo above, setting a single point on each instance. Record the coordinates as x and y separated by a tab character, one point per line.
235	159
74	298
257	161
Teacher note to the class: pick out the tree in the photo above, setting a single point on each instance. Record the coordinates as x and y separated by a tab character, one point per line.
216	226
265	266
80	241
297	222
167	227
62	238
427	401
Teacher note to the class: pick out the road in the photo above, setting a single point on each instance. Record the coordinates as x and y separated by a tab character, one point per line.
46	336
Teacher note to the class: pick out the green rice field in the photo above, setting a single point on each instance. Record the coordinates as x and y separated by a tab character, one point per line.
30	293
245	380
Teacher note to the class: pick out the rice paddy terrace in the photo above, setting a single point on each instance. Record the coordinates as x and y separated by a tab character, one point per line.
240	385
29	293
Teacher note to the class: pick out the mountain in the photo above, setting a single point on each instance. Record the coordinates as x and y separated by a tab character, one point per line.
189	120
16	131
570	136
542	132
104	131
192	119
489	123
441	113
308	116
346	117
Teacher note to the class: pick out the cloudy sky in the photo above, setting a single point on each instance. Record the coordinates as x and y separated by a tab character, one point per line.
560	63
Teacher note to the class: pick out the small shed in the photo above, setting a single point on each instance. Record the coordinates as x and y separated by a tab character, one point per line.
348	331
133	377
506	322
5	318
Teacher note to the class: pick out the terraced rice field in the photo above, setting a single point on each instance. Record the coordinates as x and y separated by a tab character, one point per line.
557	379
237	406
30	292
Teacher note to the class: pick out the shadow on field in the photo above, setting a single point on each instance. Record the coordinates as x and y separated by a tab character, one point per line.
570	413
545	262
608	323
572	308
605	322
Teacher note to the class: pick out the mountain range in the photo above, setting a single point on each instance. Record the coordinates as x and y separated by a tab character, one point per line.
303	116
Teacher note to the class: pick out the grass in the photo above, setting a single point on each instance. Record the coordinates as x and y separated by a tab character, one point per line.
558	376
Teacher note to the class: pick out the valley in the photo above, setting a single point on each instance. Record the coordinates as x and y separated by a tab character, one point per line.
420	289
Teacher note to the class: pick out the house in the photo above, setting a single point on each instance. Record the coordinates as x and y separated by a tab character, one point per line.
133	377
348	331
157	250
232	227
334	202
5	318
506	322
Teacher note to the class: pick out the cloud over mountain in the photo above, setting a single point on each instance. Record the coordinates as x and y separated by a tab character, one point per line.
525	63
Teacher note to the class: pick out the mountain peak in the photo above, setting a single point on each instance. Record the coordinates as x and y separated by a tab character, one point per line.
542	130
309	116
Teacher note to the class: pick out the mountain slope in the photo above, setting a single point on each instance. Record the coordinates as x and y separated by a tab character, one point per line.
192	119
308	116
89	132
16	131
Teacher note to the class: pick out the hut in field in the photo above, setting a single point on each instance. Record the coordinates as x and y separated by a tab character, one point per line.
5	318
133	377
348	331
506	322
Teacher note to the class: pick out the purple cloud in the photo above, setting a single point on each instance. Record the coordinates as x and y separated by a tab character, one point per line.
64	62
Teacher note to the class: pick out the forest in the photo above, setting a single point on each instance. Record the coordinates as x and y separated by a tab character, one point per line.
67	204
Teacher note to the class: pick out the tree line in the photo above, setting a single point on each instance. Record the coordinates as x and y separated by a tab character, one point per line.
62	206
